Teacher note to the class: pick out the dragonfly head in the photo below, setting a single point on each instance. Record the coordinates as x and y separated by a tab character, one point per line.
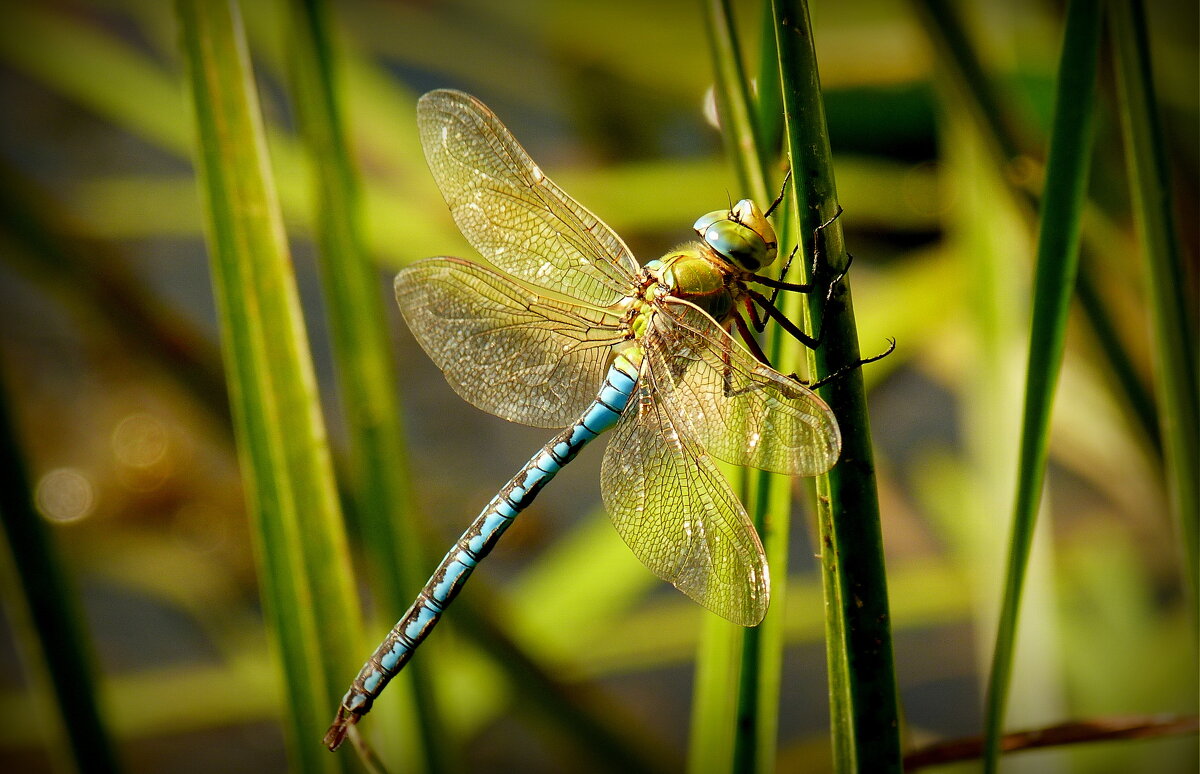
740	235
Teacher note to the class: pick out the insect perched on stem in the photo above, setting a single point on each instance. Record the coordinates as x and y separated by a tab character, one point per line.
568	331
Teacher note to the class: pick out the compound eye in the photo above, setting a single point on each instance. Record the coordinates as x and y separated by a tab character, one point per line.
747	212
741	235
737	244
749	215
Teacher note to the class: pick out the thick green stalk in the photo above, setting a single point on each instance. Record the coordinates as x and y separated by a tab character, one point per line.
1057	260
303	561
379	466
863	700
48	605
1172	324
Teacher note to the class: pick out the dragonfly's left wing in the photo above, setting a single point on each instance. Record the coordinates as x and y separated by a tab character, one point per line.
504	348
677	513
514	215
736	408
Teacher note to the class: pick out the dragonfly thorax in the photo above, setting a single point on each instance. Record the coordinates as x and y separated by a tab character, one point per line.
741	235
690	274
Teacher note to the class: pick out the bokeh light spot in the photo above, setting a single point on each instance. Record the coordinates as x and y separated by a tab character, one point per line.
65	494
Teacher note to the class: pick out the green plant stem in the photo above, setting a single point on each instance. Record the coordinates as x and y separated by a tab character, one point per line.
769	501
728	720
768	117
382	495
863	701
1172	324
301	550
956	57
739	673
1057	260
734	105
50	604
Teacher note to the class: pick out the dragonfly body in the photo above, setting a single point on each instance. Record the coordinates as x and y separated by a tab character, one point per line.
570	332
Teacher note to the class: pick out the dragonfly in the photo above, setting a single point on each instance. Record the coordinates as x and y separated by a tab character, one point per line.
564	329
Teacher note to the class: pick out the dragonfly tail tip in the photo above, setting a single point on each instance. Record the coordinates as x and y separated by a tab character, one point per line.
337	731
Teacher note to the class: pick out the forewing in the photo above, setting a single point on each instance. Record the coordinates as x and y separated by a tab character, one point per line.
502	347
737	408
676	512
514	215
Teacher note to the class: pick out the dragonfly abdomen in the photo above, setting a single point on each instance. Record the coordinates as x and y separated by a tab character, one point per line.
477	542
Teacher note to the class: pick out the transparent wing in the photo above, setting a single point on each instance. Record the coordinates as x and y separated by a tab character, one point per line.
516	218
676	512
736	408
503	348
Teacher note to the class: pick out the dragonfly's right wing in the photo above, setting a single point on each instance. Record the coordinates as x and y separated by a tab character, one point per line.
678	515
736	408
514	215
503	348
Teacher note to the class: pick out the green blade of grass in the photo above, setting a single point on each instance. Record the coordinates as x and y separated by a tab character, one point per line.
733	100
720	663
722	723
303	561
738	671
958	60
863	700
769	105
379	466
769	501
382	485
35	39
1172	325
986	224
46	606
1057	260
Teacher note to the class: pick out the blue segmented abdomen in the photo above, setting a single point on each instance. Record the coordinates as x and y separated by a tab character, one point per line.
478	540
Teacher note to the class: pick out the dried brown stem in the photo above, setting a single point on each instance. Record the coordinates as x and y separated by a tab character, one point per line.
1072	732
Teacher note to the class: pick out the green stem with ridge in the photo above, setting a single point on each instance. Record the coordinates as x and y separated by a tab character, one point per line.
864	706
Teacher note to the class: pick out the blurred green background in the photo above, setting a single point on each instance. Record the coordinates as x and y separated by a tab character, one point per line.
110	364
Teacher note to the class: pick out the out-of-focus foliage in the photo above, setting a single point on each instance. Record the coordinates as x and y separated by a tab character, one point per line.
109	334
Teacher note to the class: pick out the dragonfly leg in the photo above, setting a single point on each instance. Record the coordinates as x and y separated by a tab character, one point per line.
818	241
783	273
782	191
758	322
755	349
748	336
812	342
846	368
818	249
778	285
773	312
